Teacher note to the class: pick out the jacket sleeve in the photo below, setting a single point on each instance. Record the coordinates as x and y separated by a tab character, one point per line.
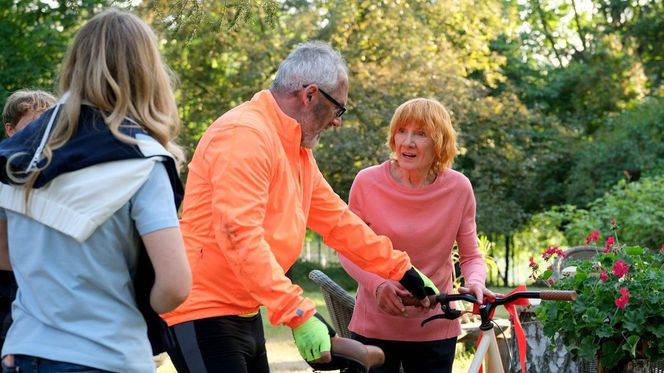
368	280
344	231
240	161
473	266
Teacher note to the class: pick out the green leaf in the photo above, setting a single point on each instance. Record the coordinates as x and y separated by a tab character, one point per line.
588	348
633	319
604	331
633	250
611	354
630	345
657	330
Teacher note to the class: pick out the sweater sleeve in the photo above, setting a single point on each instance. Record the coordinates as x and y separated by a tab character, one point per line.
473	266
341	229
368	280
240	166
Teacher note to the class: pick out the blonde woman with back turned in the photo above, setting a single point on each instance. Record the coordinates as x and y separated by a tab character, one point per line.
86	189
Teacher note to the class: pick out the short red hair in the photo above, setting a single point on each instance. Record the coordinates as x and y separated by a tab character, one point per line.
434	119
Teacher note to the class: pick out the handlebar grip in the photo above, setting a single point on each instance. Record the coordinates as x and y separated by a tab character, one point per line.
412	301
558	295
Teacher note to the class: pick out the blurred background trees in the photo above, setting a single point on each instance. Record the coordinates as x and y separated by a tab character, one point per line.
558	104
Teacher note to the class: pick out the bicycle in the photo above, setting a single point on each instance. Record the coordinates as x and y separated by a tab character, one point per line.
487	349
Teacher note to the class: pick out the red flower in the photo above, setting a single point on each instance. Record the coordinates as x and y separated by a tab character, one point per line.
621	302
624	298
662	248
604	277
610	241
551	251
534	266
551	281
592	237
620	268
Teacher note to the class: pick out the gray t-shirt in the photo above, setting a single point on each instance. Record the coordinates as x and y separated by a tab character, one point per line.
75	301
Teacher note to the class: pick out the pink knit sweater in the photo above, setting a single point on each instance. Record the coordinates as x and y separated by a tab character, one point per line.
424	222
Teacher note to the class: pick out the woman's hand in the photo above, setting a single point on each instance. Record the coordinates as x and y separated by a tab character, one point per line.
478	291
388	296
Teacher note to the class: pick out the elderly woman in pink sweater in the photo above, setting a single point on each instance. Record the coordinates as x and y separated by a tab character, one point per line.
424	207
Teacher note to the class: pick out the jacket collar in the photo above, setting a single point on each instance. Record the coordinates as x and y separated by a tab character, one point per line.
289	130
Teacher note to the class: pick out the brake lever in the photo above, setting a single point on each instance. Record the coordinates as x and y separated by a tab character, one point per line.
450	314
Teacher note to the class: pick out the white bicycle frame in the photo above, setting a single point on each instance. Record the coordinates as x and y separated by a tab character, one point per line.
488	352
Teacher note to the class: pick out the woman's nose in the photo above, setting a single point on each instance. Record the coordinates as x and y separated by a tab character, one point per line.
410	140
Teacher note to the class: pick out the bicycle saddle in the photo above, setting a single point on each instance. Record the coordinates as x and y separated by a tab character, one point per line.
351	356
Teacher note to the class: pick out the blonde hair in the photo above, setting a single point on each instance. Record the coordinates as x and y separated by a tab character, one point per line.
22	101
114	64
433	118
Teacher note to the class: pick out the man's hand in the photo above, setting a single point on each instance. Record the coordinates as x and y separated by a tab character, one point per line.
388	296
313	340
419	285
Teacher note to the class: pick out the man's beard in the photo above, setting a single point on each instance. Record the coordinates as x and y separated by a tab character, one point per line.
310	142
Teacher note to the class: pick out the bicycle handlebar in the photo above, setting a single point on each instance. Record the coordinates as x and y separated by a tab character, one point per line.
562	295
486	309
565	295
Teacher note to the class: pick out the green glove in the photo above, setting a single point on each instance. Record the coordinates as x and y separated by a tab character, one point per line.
418	284
312	338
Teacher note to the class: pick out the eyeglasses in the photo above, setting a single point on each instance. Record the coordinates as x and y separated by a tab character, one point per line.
341	109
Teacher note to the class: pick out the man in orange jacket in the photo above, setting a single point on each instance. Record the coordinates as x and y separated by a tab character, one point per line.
252	190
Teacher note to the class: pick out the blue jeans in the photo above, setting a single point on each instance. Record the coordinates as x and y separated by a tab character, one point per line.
31	364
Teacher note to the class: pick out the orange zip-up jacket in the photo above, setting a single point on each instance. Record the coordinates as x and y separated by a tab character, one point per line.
251	192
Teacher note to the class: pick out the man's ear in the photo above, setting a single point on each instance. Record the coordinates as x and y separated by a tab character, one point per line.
309	92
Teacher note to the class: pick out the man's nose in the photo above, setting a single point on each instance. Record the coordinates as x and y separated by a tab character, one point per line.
336	122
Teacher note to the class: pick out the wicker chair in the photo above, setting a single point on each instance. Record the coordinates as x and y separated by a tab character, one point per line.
339	303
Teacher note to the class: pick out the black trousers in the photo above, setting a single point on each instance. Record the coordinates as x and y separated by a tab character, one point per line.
230	344
415	357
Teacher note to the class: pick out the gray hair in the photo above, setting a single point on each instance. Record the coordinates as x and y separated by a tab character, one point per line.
311	62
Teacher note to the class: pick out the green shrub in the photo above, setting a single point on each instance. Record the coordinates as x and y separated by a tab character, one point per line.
632	141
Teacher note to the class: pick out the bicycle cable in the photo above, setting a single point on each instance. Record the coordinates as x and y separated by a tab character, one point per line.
509	349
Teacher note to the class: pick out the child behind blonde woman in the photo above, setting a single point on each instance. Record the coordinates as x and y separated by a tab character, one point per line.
24	106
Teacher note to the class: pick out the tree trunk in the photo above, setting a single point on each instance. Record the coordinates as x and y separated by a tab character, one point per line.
540	358
507	260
